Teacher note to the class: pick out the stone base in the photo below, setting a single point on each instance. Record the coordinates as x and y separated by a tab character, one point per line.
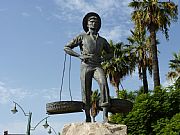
94	129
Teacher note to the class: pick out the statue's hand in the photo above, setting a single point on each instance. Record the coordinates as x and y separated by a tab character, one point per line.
85	57
82	57
91	57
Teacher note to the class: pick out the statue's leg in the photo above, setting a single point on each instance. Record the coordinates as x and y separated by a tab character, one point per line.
94	120
105	98
87	113
105	114
86	84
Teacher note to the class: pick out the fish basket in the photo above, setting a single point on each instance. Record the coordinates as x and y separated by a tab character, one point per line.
120	106
62	107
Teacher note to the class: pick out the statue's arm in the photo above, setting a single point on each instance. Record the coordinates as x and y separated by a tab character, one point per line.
69	47
74	43
108	50
71	52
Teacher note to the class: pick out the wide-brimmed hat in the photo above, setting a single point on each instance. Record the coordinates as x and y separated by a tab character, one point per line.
85	20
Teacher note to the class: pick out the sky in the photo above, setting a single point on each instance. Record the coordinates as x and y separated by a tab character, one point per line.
33	34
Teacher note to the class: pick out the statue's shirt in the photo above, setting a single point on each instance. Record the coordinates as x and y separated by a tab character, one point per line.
91	46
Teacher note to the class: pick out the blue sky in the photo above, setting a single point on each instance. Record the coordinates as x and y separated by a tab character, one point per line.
32	36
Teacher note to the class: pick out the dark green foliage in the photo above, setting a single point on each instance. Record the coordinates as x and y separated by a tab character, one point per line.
154	113
177	84
173	126
174	65
165	126
124	94
121	65
154	16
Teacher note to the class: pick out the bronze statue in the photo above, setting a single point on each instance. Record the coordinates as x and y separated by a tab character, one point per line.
92	46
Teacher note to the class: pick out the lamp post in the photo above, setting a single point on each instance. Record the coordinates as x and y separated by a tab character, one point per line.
29	115
46	125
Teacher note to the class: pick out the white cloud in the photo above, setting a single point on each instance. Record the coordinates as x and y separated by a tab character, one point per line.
115	15
64	16
102	7
78	5
39	9
7	93
111	10
1	83
115	33
51	94
25	14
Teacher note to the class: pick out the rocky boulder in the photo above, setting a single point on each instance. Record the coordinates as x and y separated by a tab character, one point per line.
94	129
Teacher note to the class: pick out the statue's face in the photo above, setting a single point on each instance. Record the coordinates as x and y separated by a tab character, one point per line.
93	23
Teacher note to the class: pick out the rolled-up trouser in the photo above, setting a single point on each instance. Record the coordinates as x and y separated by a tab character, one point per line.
87	73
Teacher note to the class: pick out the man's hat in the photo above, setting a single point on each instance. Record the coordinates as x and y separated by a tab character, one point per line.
86	18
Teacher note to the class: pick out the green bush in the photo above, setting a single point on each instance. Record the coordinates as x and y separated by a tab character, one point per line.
153	113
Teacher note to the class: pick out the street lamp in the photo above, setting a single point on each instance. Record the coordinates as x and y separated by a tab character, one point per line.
14	110
50	131
46	125
29	115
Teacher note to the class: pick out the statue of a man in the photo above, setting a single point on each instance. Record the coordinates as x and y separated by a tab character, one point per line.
91	47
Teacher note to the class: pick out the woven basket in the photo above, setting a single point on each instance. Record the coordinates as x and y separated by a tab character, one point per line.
120	106
61	107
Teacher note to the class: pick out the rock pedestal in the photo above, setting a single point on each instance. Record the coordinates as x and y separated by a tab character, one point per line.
94	129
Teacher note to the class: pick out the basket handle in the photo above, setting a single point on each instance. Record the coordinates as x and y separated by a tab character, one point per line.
62	79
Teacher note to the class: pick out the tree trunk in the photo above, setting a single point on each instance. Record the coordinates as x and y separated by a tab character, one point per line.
145	82
115	80
117	91
155	64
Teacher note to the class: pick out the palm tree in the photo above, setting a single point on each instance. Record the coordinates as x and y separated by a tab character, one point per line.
143	57
131	96
155	16
95	97
120	65
174	65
